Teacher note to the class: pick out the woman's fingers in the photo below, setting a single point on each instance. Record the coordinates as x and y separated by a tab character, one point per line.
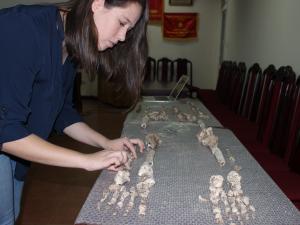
124	157
118	159
127	144
139	142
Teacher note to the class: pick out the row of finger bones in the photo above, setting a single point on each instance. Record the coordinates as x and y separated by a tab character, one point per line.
117	190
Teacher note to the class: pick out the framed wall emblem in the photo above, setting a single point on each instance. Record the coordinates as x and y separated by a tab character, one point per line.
181	2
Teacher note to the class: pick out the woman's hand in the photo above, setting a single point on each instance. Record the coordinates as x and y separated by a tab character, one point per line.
105	159
125	144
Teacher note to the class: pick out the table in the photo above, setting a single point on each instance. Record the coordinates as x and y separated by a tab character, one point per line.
182	169
136	115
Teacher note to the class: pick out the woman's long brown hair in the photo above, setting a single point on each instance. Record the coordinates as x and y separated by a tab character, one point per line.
123	64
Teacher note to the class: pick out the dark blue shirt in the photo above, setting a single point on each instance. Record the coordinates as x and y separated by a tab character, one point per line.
35	87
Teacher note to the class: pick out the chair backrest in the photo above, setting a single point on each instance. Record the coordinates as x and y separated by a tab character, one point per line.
280	130
231	86
294	124
270	108
220	77
243	93
182	66
251	91
150	73
236	93
224	81
268	75
164	70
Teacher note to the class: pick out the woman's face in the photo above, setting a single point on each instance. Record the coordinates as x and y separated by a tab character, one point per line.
113	23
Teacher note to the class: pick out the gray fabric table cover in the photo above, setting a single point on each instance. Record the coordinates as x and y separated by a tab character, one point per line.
182	169
136	117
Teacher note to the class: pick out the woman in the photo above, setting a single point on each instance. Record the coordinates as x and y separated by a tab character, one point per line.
39	46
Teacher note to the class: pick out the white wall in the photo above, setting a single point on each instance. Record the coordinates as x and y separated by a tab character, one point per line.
203	52
263	31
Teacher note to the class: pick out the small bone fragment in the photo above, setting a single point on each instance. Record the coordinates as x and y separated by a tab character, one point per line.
201	199
142	209
219	156
175	109
146	170
152	140
124	195
145	122
237	168
122	177
207	138
116	195
201	124
133	195
104	195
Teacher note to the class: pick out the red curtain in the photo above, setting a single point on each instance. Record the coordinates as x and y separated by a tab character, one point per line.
180	25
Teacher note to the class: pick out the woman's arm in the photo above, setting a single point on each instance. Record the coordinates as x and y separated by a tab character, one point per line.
85	134
82	132
35	149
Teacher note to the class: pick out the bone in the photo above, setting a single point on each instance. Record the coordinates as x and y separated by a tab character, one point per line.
219	156
133	195
216	190
116	195
145	122
154	115
152	140
146	178
124	195
201	199
240	204
122	177
105	195
207	138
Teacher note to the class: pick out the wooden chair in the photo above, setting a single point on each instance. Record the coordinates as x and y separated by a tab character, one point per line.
164	70
281	127
182	66
232	83
252	92
224	79
150	73
270	107
238	87
292	155
294	162
268	75
221	77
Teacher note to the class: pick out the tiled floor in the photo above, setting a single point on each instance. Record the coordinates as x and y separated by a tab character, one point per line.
54	196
